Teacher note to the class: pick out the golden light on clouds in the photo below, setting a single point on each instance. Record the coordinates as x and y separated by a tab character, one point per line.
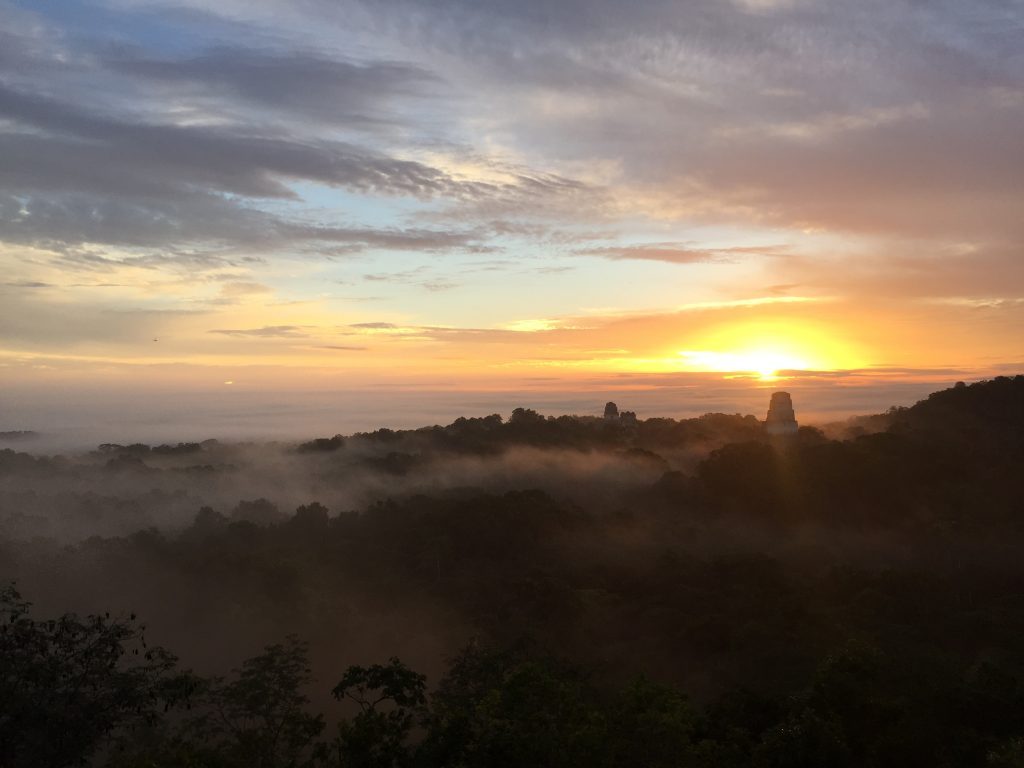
532	325
765	211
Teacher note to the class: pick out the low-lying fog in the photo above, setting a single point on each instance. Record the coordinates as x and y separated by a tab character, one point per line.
117	489
229	451
77	423
635	546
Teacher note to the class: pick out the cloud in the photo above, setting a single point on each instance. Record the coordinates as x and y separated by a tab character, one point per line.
376	326
360	299
908	271
418	276
892	121
201	230
237	289
782	288
28	284
267	332
981	303
760	301
402	332
278	141
148	157
75	176
652	252
360	94
675	253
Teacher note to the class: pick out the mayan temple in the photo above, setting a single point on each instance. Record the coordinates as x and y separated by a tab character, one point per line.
781	419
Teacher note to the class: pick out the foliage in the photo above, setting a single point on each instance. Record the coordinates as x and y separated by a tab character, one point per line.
69	684
816	602
512	708
391	699
259	717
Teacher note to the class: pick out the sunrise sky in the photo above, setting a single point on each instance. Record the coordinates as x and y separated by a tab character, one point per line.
469	195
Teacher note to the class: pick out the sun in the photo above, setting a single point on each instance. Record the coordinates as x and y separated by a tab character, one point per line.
769	350
765	363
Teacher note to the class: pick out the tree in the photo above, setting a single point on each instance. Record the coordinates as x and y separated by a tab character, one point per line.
259	719
322	445
391	700
650	725
310	518
513	708
69	684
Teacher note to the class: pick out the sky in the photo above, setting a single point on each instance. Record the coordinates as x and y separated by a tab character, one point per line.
545	201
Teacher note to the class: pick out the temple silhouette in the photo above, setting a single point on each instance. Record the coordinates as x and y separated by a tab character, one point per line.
781	419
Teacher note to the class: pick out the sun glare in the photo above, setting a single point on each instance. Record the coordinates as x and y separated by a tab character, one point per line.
765	363
768	350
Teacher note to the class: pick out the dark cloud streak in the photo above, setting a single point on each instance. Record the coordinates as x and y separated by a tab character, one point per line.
299	82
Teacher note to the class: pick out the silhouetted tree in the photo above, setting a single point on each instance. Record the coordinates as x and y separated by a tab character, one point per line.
322	445
511	708
650	725
258	511
69	684
391	701
259	717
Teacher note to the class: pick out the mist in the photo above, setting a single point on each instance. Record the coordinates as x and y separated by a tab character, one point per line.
703	553
115	413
